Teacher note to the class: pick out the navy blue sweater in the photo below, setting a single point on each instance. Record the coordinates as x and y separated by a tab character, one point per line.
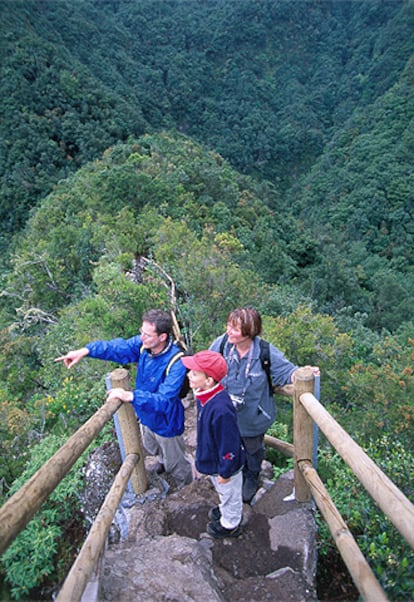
219	448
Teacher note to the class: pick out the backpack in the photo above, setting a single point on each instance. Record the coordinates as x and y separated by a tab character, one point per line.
185	387
264	357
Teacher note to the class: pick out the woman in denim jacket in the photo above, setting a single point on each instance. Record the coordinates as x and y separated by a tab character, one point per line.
248	386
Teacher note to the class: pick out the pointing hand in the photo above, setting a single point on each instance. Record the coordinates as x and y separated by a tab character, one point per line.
73	357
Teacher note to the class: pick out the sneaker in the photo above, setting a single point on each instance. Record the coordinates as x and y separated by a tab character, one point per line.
216	530
214	514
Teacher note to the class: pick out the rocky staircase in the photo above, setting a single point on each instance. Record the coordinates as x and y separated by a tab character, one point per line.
159	550
167	555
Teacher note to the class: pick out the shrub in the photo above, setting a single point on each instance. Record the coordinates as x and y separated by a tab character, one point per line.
390	557
32	559
281	463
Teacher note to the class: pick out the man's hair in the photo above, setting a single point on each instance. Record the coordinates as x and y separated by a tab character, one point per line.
161	320
248	319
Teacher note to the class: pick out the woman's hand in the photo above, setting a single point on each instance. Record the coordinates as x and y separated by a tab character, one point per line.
315	370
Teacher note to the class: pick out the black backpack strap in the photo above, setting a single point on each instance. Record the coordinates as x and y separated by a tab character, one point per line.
223	343
185	387
174	358
265	359
172	361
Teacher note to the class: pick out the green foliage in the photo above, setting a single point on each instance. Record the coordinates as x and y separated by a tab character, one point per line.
389	556
210	283
58	114
104	204
114	310
15	427
30	561
32	557
115	207
18	362
70	406
280	468
381	394
280	431
332	134
362	218
308	338
280	462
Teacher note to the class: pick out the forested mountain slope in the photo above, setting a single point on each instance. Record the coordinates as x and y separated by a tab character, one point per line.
357	201
93	258
255	152
267	84
315	97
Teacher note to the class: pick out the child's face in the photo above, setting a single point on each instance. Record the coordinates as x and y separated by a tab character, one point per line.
199	380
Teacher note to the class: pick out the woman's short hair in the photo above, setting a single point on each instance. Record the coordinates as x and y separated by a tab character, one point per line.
248	320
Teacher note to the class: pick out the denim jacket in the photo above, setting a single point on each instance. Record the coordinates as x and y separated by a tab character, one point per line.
247	381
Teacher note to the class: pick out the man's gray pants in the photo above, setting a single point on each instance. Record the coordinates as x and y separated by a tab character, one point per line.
171	453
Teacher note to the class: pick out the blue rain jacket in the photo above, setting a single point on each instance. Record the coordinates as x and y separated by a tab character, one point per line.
156	396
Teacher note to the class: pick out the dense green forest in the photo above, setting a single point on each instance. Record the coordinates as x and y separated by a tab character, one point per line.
313	97
257	152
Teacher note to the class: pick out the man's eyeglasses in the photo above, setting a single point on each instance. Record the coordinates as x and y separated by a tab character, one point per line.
147	335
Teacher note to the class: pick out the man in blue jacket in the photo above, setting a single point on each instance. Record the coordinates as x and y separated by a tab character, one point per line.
156	398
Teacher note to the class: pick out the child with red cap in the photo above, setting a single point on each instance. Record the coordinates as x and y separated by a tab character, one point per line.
219	450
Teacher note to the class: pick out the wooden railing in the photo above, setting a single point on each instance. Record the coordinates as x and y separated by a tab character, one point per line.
21	507
307	411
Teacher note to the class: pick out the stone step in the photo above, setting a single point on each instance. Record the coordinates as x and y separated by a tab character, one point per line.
167	554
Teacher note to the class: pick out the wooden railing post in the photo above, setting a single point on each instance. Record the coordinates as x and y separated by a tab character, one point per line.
302	431
130	432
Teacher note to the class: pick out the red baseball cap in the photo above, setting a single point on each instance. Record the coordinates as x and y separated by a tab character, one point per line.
211	363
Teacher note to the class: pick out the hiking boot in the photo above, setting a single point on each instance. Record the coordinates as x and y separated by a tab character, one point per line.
216	530
250	486
214	514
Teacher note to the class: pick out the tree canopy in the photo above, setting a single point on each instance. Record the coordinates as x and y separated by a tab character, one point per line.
312	99
253	153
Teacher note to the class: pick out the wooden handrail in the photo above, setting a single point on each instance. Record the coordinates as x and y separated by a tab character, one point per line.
130	433
282	446
308	411
358	566
77	578
388	497
302	431
22	506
